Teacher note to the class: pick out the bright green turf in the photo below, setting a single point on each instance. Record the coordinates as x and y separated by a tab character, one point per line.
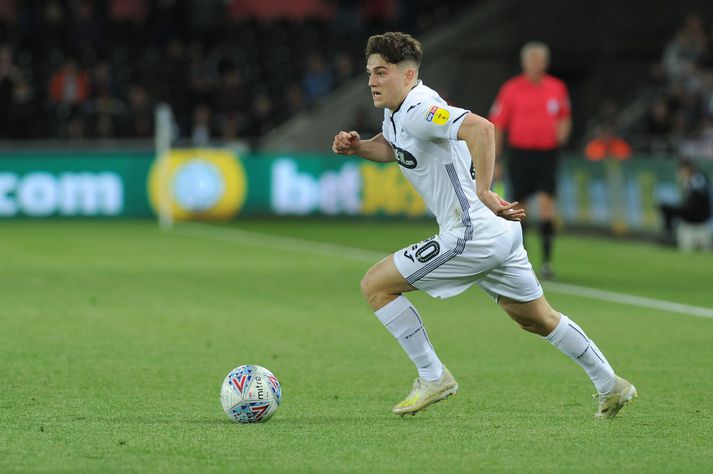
115	338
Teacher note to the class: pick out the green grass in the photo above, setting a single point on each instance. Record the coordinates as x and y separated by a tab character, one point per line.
115	338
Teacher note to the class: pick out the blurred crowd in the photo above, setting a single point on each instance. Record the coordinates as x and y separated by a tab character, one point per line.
675	103
230	69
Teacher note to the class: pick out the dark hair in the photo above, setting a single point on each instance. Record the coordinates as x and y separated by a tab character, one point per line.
395	47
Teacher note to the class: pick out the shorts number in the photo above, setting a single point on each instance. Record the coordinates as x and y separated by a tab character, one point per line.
428	251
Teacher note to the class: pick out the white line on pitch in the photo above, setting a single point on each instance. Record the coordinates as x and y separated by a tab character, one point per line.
232	235
292	244
629	299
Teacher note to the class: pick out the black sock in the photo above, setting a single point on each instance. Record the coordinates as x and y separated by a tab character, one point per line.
547	229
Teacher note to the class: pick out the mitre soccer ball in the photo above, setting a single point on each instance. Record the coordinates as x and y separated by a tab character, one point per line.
250	394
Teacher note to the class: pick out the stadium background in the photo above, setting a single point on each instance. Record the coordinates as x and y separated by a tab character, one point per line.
130	330
272	81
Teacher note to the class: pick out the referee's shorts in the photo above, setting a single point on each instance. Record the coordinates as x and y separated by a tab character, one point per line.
532	171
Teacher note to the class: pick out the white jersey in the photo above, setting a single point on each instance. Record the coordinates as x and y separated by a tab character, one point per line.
423	134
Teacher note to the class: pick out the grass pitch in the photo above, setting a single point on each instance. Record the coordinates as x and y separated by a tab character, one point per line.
115	338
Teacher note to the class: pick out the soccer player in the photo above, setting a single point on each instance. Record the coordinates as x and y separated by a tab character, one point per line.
533	108
441	149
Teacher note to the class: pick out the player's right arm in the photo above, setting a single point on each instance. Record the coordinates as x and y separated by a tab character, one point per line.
377	149
500	116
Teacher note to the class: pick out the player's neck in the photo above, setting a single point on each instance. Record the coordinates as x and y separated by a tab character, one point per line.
405	93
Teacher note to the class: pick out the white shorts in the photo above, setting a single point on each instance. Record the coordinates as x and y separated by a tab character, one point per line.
444	265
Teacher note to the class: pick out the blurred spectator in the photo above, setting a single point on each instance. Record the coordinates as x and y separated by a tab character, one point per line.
262	116
232	100
343	67
687	49
103	80
140	116
166	19
348	20
22	110
658	119
8	19
106	113
658	127
169	82
294	98
203	16
69	84
230	136
607	144
203	75
319	80
9	75
74	128
694	209
128	19
202	127
54	27
87	29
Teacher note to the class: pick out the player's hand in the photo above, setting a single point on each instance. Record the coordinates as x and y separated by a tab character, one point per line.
346	143
502	208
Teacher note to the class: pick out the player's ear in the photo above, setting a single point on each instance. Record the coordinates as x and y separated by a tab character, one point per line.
409	75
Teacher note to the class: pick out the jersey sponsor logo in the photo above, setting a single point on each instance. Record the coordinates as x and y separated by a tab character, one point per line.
437	115
404	158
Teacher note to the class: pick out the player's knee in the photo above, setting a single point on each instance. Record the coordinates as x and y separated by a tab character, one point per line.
369	288
373	292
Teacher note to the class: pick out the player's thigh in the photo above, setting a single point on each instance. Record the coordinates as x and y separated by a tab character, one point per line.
384	278
514	277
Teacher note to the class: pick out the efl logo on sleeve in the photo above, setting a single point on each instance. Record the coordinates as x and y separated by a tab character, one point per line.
437	115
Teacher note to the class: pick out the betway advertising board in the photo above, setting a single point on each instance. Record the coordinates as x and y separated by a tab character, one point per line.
200	184
218	184
73	184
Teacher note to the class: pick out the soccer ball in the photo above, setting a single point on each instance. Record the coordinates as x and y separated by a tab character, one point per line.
250	394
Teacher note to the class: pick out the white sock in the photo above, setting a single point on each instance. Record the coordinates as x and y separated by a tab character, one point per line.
571	339
404	322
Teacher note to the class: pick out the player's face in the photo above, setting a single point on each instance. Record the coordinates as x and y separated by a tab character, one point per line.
387	82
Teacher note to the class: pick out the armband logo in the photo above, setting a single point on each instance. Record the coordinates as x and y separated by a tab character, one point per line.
437	115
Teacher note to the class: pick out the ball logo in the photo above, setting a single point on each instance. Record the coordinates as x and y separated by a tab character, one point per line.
198	183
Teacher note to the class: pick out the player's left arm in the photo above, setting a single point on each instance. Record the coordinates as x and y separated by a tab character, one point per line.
479	135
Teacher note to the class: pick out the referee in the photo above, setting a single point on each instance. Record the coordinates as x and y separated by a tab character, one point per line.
533	108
